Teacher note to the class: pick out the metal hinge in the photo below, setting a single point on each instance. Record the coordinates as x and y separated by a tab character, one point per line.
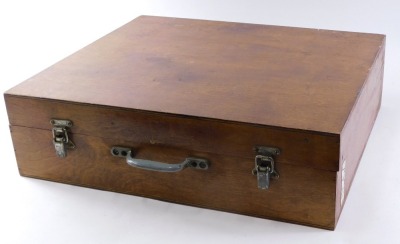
61	140
265	166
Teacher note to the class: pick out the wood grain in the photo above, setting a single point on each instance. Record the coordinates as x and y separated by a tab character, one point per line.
173	88
355	134
268	75
320	151
301	195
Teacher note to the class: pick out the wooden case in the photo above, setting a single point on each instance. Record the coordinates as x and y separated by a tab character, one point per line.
176	88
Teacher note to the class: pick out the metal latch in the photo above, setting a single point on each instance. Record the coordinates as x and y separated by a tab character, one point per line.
265	166
61	140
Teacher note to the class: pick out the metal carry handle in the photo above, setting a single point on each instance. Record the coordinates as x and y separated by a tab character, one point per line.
127	153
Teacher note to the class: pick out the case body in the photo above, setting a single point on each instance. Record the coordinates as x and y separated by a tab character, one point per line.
173	88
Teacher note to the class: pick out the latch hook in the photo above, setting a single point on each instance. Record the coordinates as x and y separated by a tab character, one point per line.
265	166
61	140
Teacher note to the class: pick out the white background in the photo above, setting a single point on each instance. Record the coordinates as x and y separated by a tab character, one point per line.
36	34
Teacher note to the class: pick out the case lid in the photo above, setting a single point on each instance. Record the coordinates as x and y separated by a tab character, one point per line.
278	76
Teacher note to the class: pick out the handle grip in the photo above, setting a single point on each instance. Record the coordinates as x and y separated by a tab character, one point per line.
127	153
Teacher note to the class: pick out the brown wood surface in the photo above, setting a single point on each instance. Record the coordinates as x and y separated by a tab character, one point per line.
354	136
302	195
320	151
278	76
173	88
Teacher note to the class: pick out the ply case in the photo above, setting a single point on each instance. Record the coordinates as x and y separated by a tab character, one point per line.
259	120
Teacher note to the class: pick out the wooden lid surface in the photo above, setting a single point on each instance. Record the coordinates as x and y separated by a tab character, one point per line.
279	76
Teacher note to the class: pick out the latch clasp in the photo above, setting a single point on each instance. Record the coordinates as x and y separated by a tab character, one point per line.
265	166
61	140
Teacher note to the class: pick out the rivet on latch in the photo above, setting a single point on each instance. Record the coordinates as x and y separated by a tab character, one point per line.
61	140
265	166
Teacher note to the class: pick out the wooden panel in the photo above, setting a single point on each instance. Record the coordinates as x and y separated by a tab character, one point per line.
173	88
301	195
320	151
279	76
358	128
